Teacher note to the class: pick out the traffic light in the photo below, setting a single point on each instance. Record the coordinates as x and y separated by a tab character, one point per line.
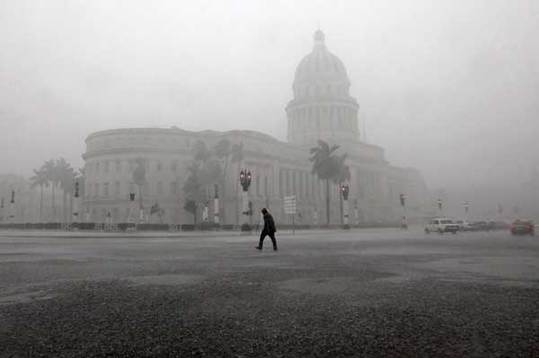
12	197
76	189
2	203
403	200
132	196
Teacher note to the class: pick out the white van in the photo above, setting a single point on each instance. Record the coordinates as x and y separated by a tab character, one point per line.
441	225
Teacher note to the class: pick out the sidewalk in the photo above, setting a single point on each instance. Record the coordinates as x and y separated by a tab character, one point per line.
166	234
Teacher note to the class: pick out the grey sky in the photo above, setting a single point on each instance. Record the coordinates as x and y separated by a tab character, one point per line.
449	87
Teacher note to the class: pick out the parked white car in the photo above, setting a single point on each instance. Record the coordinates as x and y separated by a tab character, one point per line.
441	225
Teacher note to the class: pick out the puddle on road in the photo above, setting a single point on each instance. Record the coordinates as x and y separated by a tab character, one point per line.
165	280
24	297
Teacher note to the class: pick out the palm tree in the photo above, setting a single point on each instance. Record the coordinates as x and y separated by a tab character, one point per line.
66	179
327	166
40	179
51	173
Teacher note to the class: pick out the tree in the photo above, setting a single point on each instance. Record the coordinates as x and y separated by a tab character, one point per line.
40	179
328	167
66	180
51	173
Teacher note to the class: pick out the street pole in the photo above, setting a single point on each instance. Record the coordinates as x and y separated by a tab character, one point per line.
12	207
216	220
76	205
466	208
132	208
345	190
356	212
439	202
245	181
404	223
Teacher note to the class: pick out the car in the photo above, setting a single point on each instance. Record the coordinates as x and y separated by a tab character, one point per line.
441	225
479	226
463	225
522	227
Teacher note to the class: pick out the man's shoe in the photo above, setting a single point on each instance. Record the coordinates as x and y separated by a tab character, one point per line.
258	248
274	249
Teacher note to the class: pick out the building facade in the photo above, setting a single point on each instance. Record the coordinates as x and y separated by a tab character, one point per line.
321	109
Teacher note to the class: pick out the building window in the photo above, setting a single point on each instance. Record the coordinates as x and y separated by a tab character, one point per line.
106	165
97	167
174	165
106	190
173	187
158	166
118	166
159	188
117	188
266	191
96	192
257	182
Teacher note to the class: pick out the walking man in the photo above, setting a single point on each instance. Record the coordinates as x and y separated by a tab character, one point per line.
269	229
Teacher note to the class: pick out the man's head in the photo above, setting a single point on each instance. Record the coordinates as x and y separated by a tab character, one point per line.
264	211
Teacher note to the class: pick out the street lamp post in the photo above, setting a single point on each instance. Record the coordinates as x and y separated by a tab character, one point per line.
76	204
12	207
404	222
131	220
216	218
345	190
466	205
245	181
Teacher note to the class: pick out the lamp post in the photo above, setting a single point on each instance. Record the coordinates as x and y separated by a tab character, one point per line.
132	208
12	207
466	205
439	202
216	219
76	204
404	222
245	181
345	190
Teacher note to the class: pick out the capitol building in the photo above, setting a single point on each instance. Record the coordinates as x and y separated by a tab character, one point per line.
321	108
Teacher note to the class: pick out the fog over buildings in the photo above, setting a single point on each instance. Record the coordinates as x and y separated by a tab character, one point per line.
450	88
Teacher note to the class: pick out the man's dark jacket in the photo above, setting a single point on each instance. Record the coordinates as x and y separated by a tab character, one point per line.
269	224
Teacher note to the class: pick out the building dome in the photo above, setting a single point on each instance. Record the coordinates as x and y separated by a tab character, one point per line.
322	107
320	67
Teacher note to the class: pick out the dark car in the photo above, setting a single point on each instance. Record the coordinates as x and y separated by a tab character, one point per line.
522	227
479	226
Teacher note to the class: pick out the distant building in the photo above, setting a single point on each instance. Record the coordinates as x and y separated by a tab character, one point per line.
321	108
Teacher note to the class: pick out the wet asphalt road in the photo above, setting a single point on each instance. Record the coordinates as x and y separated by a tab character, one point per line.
364	293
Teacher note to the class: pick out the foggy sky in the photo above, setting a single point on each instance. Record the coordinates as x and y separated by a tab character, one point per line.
448	87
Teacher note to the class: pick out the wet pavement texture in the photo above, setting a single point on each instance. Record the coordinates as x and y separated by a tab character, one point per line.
358	293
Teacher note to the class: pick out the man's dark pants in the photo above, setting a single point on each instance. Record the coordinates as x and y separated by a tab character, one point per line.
263	235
